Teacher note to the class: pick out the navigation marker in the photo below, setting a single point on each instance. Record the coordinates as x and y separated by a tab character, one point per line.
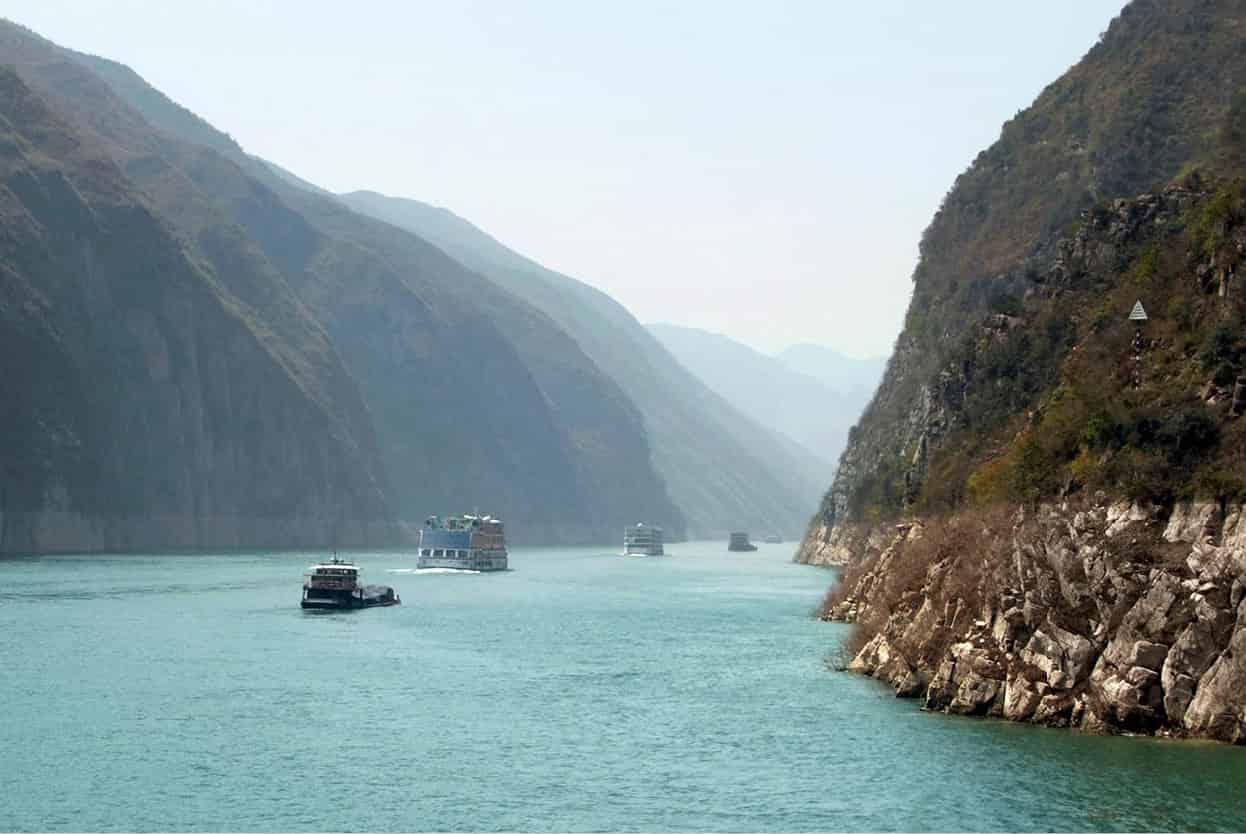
1138	313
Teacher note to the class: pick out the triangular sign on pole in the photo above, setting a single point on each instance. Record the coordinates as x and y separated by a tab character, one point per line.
1138	313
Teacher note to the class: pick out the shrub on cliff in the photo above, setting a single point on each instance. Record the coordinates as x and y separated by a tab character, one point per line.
1072	398
1007	311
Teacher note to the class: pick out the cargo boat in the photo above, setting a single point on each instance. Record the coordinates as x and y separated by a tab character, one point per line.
336	584
739	543
642	540
467	542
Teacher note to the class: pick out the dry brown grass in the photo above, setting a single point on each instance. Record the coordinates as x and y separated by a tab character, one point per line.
960	558
845	584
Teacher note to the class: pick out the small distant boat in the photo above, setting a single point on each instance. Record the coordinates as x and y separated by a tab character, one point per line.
467	542
642	540
739	543
774	538
336	584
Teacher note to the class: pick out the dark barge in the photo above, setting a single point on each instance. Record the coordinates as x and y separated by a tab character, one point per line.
336	585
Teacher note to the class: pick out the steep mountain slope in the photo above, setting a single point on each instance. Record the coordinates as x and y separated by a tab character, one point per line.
1117	602
147	405
767	390
1150	98
476	398
719	469
834	370
723	470
1072	550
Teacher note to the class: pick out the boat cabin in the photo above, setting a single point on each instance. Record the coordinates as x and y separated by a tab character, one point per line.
336	575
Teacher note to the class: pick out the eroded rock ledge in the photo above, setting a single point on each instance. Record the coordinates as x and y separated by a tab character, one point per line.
1109	617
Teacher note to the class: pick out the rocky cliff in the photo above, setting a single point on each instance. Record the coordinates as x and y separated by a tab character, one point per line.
1158	94
1116	617
1112	599
1040	511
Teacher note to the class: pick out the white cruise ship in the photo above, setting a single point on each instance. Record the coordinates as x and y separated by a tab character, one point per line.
642	540
468	542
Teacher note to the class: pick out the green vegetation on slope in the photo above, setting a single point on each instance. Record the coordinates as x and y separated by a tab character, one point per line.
1156	97
1070	395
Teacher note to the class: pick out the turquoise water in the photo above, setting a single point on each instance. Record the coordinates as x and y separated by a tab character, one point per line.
580	691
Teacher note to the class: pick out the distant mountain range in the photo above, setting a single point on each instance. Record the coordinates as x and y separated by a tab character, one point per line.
203	350
723	470
834	369
813	409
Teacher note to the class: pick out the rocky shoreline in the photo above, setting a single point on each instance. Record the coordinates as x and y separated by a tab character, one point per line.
1110	617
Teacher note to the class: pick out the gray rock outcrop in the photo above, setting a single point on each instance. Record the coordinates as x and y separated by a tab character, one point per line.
1104	617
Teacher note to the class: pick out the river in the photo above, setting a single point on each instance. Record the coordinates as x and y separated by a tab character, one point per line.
580	691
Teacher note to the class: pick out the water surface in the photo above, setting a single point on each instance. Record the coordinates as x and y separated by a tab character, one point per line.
580	691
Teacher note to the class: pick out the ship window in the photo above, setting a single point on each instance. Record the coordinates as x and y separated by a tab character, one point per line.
428	551
439	552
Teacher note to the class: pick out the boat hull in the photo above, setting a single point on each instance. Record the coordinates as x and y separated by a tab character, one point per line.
630	551
482	563
373	596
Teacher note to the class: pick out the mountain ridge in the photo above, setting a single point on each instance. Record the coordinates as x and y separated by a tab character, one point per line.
768	390
998	226
552	472
197	435
834	369
284	245
723	469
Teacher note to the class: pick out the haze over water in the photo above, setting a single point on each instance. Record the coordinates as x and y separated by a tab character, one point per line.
580	691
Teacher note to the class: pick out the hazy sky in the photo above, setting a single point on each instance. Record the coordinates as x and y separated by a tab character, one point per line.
761	169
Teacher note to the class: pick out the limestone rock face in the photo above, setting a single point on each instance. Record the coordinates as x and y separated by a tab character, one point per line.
969	682
1062	657
1218	708
881	660
1069	616
1190	522
826	546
